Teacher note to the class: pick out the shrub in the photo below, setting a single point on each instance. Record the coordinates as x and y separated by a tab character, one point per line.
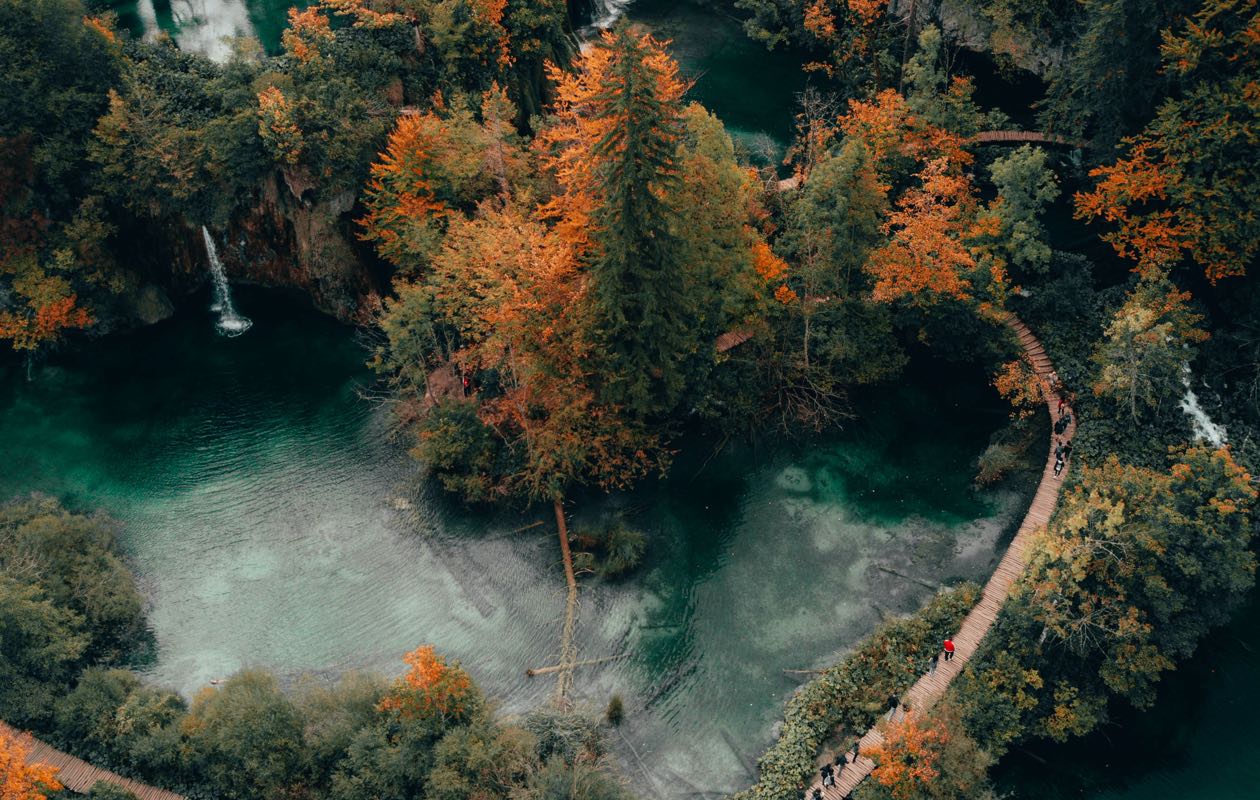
623	550
616	710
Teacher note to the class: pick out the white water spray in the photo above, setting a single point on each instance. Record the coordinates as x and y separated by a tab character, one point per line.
230	323
1204	428
605	13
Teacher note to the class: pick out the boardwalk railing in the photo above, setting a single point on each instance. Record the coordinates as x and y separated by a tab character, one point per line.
931	687
76	774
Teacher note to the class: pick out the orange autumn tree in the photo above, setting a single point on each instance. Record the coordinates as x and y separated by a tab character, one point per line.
43	322
942	243
436	163
528	324
20	780
613	147
1186	186
587	135
431	688
308	33
1018	382
850	33
277	128
907	758
927	257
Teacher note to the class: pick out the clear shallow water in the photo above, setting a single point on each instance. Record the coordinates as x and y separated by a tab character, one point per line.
273	523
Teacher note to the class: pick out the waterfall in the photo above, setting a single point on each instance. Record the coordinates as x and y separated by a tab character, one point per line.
1204	428
230	323
603	14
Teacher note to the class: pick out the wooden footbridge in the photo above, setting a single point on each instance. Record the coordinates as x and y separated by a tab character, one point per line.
1026	137
931	687
76	774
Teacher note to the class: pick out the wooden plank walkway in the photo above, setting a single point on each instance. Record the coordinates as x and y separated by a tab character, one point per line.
1034	137
78	775
931	687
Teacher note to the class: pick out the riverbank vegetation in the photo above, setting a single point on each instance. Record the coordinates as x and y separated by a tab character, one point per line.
563	263
71	622
839	705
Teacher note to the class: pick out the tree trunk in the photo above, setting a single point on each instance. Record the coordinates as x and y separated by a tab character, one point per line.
568	653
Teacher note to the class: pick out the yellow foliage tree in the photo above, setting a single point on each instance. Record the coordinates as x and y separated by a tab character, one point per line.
20	780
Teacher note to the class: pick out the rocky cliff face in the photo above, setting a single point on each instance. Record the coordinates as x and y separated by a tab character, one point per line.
280	241
964	25
288	242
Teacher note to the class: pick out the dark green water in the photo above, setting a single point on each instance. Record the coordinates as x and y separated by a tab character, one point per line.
1200	740
752	90
272	522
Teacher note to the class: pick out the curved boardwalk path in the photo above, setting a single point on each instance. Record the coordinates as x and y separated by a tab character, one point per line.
931	687
78	775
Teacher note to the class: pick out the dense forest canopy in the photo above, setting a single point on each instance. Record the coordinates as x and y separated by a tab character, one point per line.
563	264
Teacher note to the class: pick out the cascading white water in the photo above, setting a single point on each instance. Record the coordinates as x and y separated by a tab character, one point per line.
230	323
605	13
1204	428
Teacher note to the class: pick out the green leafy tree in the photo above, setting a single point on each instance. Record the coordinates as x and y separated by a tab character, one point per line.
1184	187
42	645
1136	567
1132	558
246	740
87	718
1109	79
56	266
109	791
1025	186
71	558
1147	346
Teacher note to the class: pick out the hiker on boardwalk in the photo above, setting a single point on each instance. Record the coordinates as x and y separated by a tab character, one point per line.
856	750
936	659
1062	403
948	647
840	762
1058	464
828	775
817	795
893	703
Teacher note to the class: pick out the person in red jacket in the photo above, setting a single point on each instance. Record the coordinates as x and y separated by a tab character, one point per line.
949	649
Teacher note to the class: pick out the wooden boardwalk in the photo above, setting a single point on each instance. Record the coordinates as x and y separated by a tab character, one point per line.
931	687
76	774
1031	137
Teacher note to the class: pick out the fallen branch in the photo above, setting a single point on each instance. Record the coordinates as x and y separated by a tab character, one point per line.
588	662
568	653
926	584
749	767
